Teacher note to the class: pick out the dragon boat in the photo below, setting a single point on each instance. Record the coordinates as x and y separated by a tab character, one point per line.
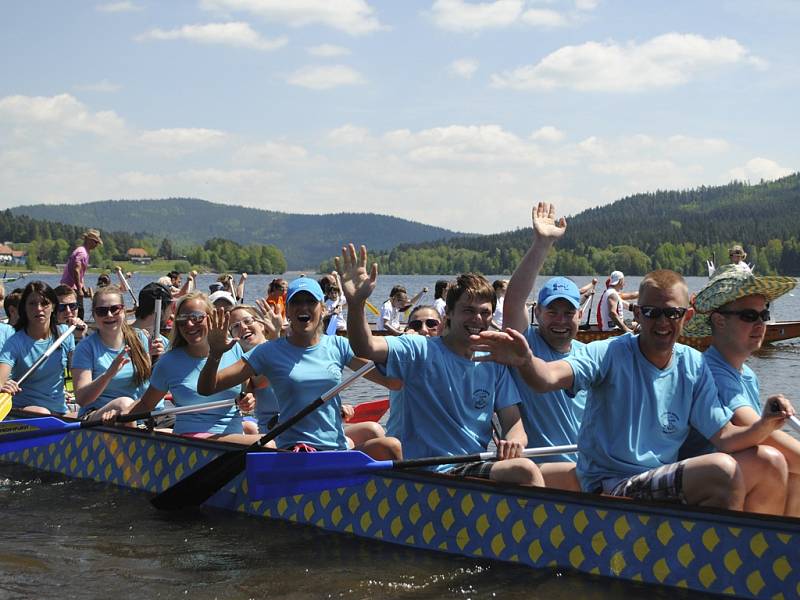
712	551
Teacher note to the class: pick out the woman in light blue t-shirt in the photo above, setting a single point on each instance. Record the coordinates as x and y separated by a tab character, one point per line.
36	330
111	369
177	372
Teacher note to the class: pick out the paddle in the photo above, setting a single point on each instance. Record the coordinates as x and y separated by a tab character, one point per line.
6	398
283	474
371	410
25	433
157	320
125	285
372	308
199	486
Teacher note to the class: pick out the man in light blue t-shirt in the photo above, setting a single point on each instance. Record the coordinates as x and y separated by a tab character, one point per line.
735	306
448	400
644	391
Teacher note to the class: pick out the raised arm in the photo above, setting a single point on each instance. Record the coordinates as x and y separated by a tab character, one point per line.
546	230
210	381
357	285
510	348
87	390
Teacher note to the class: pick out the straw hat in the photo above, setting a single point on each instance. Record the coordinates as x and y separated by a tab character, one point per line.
92	234
728	284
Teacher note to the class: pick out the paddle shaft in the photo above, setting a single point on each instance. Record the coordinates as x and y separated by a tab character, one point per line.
47	353
125	285
480	457
157	321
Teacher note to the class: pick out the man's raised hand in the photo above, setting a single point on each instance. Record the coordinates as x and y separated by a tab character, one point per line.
357	282
545	225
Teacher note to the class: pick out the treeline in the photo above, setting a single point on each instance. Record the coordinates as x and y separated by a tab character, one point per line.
665	229
51	243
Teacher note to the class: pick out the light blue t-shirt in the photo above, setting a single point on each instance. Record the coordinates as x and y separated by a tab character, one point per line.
552	418
177	372
266	407
447	400
736	390
44	387
637	416
6	331
93	355
301	375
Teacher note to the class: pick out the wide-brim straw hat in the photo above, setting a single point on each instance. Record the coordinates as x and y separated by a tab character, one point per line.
92	234
729	284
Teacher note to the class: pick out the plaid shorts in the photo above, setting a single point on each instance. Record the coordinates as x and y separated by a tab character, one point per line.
474	469
664	483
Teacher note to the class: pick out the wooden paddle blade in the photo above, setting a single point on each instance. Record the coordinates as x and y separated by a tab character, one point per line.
372	410
5	405
25	433
206	481
272	475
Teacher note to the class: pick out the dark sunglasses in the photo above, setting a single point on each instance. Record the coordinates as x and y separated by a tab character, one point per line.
748	315
62	306
104	311
416	324
673	313
194	317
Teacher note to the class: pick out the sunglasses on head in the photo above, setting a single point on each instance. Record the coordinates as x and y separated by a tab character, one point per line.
673	313
62	306
748	315
194	317
416	324
239	325
104	311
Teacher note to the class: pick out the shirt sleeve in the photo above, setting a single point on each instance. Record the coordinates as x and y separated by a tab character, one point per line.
83	357
588	365
507	393
9	352
708	414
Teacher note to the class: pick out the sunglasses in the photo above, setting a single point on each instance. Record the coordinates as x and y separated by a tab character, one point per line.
748	315
673	313
416	324
194	317
239	325
62	306
104	311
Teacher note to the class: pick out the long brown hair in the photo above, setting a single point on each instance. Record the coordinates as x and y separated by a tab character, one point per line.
140	358
176	339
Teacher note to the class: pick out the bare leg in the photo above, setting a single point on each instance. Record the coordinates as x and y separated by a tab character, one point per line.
521	471
122	405
560	475
382	448
249	428
714	480
239	438
765	476
361	433
39	410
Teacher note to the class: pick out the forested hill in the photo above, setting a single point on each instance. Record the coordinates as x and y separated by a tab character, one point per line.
305	240
665	229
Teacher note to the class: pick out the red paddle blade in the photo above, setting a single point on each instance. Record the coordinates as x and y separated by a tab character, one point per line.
370	411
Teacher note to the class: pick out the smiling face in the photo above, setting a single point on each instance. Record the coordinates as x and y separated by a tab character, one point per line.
108	311
193	330
247	328
558	323
65	308
421	321
658	336
736	336
468	317
304	313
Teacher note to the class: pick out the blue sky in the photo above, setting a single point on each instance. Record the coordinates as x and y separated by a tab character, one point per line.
453	113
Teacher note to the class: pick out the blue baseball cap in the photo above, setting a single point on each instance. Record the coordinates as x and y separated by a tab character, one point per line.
305	284
560	287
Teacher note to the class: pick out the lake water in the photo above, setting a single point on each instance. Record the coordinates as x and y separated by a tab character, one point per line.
77	539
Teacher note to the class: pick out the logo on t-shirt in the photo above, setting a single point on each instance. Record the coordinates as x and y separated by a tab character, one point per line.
669	422
480	398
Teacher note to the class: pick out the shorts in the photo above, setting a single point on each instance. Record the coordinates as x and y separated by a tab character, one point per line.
663	483
473	469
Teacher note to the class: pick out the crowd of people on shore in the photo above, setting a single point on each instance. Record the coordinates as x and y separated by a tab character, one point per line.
652	419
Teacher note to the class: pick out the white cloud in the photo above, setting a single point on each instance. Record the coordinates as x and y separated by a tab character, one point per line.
354	17
759	168
460	16
664	61
61	113
548	133
586	5
116	7
140	180
269	152
464	67
326	77
543	17
104	86
237	177
180	141
328	51
347	135
236	34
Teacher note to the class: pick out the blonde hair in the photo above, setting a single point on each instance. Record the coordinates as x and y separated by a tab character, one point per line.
663	279
176	339
140	358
